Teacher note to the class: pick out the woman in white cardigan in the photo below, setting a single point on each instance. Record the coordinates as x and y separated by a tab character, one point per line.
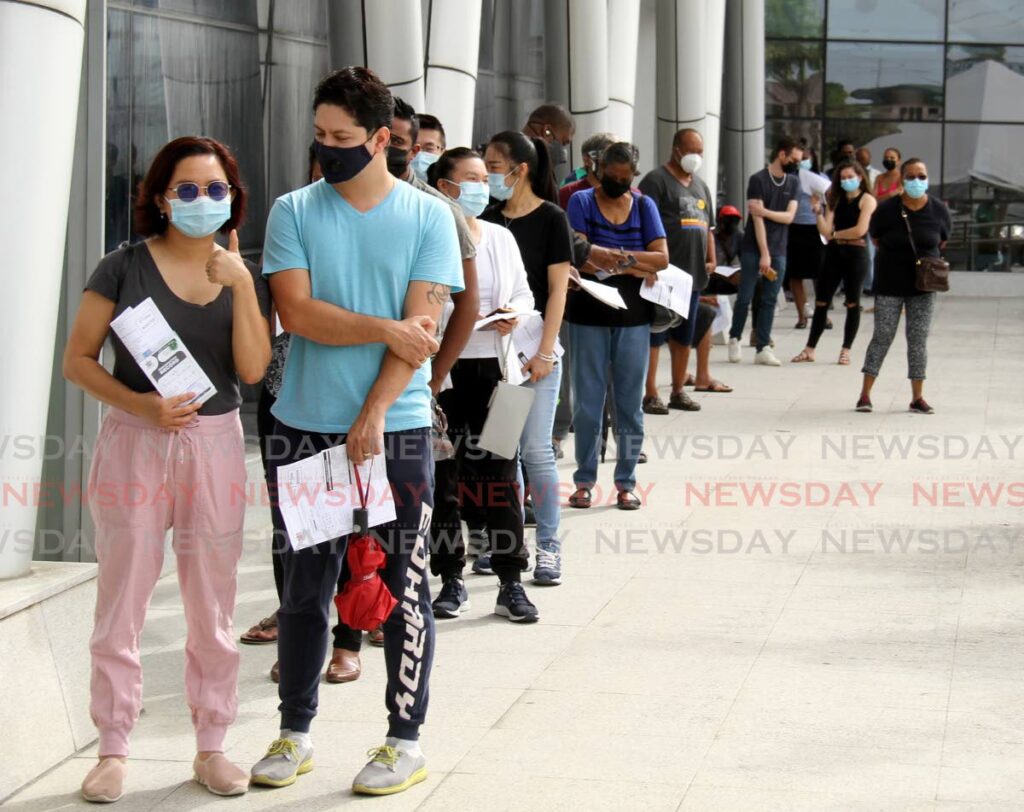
475	478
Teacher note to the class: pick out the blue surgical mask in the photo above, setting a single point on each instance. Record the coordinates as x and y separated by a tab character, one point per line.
850	184
422	162
805	164
473	197
498	189
200	218
915	189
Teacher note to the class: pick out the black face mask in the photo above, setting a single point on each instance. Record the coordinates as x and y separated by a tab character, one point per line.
341	164
728	225
614	188
398	161
889	164
791	168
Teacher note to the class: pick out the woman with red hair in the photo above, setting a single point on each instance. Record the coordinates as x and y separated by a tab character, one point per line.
176	462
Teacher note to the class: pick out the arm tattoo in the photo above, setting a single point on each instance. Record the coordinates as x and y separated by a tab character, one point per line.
438	294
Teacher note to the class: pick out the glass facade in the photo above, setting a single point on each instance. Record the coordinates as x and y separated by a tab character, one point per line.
944	83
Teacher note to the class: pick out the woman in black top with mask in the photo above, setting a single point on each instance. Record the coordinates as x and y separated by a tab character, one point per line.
844	224
913	211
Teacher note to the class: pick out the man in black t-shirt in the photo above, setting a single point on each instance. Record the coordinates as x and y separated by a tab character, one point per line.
772	197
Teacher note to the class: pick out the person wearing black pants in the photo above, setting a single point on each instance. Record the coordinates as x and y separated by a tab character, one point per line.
482	479
361	266
311	578
845	224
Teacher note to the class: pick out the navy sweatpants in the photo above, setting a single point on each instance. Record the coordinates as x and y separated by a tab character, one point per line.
311	578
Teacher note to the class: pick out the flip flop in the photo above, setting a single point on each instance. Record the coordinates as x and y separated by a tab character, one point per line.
690	381
716	386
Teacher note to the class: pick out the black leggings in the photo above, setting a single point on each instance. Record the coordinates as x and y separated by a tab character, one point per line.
847	264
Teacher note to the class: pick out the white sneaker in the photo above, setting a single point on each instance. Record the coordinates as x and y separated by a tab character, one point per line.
735	354
767	357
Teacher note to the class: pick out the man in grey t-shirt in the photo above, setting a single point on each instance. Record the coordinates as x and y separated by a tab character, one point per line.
687	212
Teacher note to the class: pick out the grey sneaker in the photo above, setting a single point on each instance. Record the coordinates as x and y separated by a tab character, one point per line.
548	571
390	770
284	762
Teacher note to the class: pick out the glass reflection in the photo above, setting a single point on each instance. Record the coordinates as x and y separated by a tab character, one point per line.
985	83
794	18
898	82
906	21
986	21
793	78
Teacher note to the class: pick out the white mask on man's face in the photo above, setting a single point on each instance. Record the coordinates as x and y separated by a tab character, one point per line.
690	163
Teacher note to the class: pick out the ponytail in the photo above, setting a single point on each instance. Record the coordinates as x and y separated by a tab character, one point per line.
521	149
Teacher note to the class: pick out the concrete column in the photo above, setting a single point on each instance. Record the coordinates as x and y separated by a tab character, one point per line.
682	69
577	42
385	36
41	62
743	120
623	48
712	128
453	49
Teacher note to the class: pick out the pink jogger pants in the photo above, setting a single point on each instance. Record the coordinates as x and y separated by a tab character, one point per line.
143	481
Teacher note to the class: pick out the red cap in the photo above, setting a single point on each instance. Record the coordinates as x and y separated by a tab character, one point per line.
729	211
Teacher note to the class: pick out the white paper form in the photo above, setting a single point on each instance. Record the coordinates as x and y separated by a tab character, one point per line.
814	184
161	353
723	316
726	270
512	314
605	294
318	495
672	290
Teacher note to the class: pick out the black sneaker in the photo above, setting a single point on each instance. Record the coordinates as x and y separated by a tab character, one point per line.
452	600
864	404
513	604
921	406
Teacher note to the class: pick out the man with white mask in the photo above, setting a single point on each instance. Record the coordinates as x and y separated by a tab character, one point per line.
687	212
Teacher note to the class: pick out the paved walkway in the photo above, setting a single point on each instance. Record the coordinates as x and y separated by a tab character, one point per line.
851	639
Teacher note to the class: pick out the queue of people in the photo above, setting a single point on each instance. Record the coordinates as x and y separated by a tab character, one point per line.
364	325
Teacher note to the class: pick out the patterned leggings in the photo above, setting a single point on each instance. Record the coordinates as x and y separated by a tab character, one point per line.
887	320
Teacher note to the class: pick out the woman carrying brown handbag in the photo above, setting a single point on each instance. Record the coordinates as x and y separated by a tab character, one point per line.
906	228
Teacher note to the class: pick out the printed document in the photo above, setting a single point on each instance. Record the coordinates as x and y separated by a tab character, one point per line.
318	495
161	354
672	290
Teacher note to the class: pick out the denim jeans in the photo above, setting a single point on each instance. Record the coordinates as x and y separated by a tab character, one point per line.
538	455
749	274
622	353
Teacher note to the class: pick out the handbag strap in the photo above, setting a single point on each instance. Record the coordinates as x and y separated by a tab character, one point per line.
503	346
910	233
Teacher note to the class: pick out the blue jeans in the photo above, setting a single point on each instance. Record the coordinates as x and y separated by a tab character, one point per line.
538	455
597	351
749	273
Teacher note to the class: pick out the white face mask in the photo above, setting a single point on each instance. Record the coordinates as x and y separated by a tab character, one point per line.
691	163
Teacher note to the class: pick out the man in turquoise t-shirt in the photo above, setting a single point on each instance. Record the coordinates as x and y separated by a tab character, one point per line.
360	267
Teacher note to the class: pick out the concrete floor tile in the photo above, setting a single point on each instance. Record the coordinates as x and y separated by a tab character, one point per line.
501	794
548	753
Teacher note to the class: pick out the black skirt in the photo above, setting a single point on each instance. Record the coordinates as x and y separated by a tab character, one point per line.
804	253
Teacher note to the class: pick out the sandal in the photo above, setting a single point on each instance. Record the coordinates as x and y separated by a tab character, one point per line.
690	381
262	633
716	386
627	500
803	357
844	357
801	325
581	498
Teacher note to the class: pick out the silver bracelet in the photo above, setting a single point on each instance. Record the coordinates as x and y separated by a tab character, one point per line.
549	358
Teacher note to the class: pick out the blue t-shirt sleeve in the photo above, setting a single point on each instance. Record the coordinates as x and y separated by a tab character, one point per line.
282	243
439	258
651	225
577	213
